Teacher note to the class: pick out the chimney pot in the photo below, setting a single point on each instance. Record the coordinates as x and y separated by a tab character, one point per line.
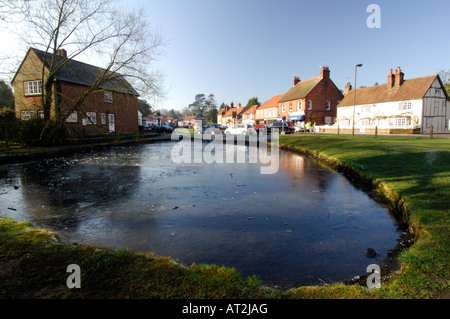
391	78
62	53
325	72
398	77
348	88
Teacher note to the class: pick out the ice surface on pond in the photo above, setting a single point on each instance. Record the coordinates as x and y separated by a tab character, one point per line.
303	225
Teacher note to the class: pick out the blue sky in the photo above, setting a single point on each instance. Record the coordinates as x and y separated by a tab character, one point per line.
237	49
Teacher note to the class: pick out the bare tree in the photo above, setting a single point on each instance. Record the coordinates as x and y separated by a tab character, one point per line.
121	39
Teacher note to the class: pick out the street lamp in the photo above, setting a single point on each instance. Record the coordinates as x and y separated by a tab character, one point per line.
354	102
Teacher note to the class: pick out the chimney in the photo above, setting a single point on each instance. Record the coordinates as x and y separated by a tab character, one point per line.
296	81
348	88
62	53
239	104
391	79
231	105
398	77
325	72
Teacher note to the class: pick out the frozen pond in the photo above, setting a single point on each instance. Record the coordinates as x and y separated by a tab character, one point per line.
303	225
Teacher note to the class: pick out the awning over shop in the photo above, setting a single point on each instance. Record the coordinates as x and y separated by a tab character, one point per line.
281	118
296	118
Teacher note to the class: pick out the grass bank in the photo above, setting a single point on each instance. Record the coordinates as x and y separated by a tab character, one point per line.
413	174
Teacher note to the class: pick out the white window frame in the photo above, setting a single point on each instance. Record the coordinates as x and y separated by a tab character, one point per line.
404	106
309	105
299	105
283	108
345	123
365	108
26	115
328	106
290	107
103	118
40	114
364	122
32	88
401	121
108	96
428	122
91	118
73	117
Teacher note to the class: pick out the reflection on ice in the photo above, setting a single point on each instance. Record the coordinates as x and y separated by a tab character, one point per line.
302	225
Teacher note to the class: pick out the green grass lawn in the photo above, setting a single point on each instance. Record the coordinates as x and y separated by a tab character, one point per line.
414	174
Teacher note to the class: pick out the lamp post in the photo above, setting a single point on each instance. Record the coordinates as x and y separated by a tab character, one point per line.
354	102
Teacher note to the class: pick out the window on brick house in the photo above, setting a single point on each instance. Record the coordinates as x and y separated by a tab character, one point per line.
32	87
26	115
299	105
290	107
328	107
283	108
91	118
73	117
108	97
309	105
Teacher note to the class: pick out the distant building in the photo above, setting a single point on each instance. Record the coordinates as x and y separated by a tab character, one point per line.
399	106
232	115
268	111
248	115
113	109
193	120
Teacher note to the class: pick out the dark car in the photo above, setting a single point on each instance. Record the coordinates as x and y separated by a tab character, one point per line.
164	129
280	127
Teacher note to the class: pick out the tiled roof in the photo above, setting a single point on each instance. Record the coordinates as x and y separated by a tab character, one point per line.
412	89
238	111
251	109
85	74
272	102
301	89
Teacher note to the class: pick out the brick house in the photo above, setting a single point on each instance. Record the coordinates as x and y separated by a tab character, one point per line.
268	111
111	109
230	115
248	115
193	120
398	106
314	100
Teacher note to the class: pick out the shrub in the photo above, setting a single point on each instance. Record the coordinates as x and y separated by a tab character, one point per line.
9	126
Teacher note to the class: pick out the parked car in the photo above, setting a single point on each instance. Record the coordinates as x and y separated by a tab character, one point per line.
241	129
300	127
280	127
164	129
212	131
208	127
